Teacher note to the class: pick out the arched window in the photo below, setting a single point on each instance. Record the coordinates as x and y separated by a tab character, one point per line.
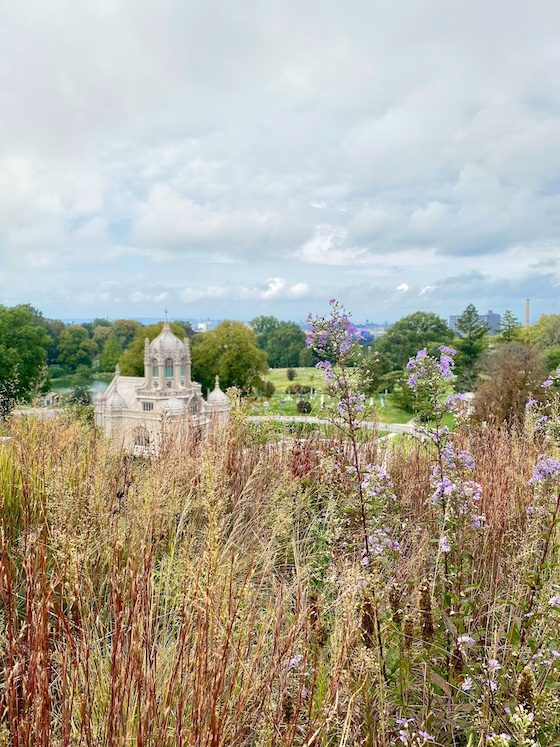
194	406
155	371
168	368
141	437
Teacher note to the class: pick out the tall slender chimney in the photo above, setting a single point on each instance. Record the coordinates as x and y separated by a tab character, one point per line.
527	312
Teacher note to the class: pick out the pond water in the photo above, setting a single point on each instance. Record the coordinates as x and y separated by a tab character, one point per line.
96	386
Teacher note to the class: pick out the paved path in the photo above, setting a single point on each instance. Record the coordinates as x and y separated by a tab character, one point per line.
312	420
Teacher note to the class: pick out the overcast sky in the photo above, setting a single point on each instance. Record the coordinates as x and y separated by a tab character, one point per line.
227	159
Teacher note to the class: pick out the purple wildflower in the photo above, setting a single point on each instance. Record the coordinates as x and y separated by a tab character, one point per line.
547	470
554	601
444	545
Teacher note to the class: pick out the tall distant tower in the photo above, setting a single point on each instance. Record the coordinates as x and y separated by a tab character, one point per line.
527	312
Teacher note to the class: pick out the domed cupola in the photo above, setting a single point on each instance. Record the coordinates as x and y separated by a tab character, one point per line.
167	344
216	396
115	401
167	362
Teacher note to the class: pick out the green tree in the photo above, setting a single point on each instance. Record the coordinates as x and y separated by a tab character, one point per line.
132	360
75	348
373	366
546	331
125	330
470	346
284	345
262	326
23	352
230	351
188	331
110	355
54	328
509	327
100	336
411	333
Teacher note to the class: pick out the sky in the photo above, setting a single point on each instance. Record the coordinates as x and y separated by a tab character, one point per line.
230	159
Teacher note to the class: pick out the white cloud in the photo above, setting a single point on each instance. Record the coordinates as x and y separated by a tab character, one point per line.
403	288
328	246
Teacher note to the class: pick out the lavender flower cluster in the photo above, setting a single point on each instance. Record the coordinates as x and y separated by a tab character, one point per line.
422	367
332	337
453	488
547	471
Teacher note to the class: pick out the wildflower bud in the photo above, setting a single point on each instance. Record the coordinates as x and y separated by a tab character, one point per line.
408	627
395	594
526	688
368	623
288	707
458	660
425	609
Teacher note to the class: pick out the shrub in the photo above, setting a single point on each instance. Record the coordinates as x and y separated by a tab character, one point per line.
267	389
303	406
291	374
298	389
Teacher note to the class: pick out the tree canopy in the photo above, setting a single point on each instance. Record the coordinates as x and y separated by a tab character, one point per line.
23	351
410	334
470	347
75	348
110	354
230	351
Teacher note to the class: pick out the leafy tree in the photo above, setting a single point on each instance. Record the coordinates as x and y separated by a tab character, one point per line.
284	345
188	331
509	327
546	331
132	360
470	347
100	336
230	351
373	366
509	375
80	395
125	330
410	334
550	357
23	351
100	322
262	326
111	354
307	358
75	348
54	328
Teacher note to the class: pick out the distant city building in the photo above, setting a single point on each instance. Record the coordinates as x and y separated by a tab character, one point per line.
491	319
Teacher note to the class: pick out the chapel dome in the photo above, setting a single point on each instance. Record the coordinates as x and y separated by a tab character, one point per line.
174	406
115	400
167	344
216	396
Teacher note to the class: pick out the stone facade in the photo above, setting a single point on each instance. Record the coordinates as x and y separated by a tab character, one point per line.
138	412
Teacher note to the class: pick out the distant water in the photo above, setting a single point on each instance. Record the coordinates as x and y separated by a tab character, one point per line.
95	387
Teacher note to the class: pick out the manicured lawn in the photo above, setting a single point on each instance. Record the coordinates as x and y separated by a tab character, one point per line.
304	376
281	403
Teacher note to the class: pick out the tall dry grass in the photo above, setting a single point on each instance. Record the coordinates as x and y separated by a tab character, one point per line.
214	595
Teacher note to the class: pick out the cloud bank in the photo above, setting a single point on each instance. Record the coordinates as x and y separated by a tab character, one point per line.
233	158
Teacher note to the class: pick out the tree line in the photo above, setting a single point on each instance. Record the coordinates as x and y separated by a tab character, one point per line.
36	350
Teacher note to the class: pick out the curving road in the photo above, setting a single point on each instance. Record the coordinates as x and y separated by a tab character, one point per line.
409	427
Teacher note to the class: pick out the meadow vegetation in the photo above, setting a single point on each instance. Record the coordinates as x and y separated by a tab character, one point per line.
312	591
